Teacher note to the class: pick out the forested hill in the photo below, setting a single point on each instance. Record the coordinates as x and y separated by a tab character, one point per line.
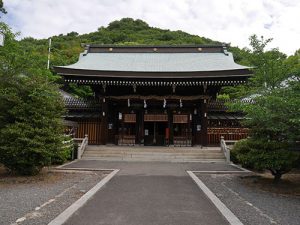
66	47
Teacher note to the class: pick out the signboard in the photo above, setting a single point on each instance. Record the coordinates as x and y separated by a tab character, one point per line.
129	118
180	118
1	39
155	118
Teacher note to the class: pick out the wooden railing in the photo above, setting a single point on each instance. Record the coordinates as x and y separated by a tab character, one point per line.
214	134
83	142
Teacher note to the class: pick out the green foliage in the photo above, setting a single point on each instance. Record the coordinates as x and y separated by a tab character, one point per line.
223	97
30	110
275	113
264	154
240	148
66	48
269	67
80	90
65	152
273	116
2	9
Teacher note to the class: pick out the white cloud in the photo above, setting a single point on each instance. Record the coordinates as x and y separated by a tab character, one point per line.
223	20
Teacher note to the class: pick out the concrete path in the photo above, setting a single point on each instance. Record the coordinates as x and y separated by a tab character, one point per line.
149	193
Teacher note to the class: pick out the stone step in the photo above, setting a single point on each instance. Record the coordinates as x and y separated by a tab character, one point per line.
156	151
219	156
147	159
148	152
138	153
149	148
165	155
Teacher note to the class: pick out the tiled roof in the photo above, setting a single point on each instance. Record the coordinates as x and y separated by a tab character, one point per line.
156	62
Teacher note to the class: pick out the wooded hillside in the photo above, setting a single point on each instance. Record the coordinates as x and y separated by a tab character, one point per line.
66	47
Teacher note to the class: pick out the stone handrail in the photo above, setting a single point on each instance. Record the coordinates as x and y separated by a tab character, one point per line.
225	149
83	144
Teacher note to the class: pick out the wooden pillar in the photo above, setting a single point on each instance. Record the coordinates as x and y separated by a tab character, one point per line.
171	129
197	125
203	115
137	127
140	121
104	123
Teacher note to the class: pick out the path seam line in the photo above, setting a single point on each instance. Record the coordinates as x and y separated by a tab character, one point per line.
65	215
229	216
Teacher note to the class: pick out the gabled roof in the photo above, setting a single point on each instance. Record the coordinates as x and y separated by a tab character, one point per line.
154	59
156	62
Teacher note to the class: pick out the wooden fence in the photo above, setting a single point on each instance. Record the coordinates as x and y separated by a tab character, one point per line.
214	134
92	128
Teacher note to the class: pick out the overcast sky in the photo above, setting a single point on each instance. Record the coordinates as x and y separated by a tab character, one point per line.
223	20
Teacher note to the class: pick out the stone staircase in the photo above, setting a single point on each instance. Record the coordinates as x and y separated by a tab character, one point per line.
141	153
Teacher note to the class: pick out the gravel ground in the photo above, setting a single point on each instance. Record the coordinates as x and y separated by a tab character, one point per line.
251	205
52	192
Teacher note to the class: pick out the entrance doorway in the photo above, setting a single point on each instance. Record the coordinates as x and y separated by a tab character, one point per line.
155	133
155	126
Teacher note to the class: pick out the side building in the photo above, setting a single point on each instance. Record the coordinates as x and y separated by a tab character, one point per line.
154	95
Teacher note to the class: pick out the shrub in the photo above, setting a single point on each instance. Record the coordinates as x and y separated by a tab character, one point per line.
240	148
65	152
31	135
261	154
31	109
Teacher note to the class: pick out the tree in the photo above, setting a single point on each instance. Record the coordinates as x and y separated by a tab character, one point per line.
2	9
30	111
262	154
269	67
273	115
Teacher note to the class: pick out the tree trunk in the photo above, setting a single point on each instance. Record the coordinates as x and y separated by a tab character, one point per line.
277	177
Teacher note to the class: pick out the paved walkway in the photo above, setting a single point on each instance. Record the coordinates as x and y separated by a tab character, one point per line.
149	193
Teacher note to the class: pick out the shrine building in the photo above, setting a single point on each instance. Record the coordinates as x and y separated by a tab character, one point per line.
154	95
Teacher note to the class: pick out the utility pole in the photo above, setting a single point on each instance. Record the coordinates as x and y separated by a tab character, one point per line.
49	52
1	39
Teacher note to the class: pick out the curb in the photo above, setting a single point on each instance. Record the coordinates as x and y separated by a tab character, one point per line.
221	172
65	164
229	216
241	168
82	169
65	215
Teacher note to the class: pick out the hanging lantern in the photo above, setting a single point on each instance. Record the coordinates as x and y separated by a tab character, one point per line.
128	102
180	103
145	104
